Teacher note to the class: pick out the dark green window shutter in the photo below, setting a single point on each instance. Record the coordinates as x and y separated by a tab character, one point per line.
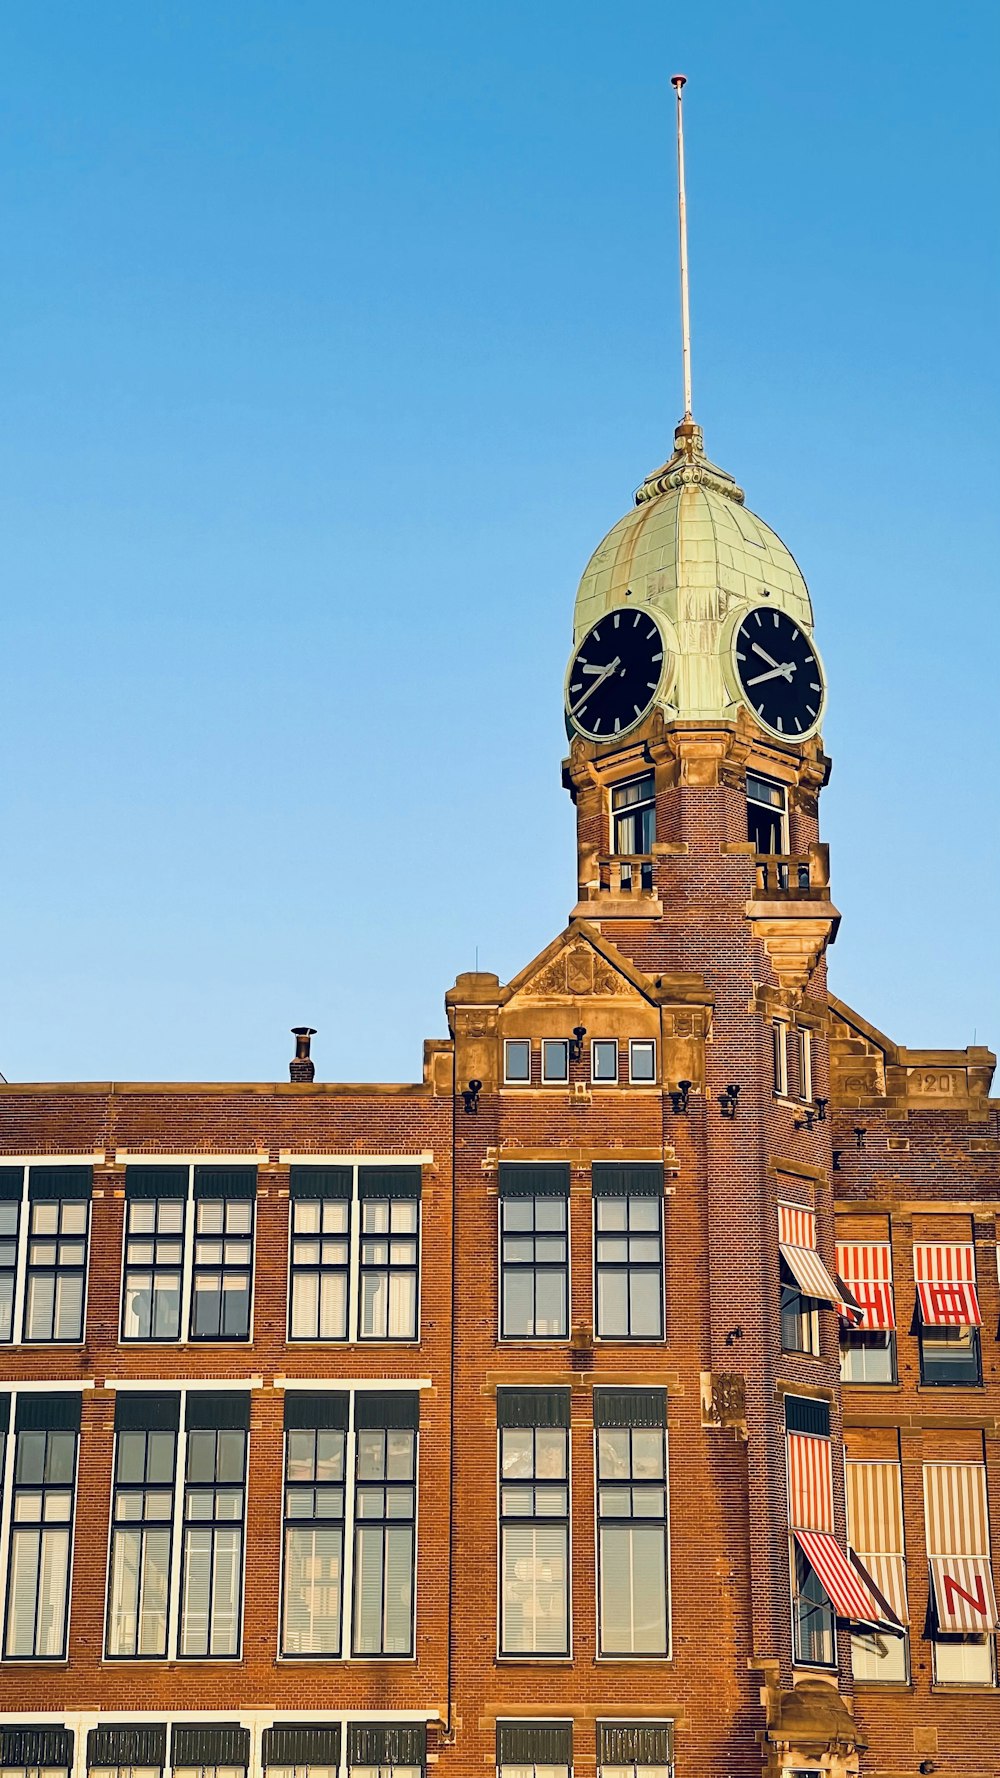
804	1414
389	1182
545	1179
386	1743
127	1744
640	1179
635	1743
39	1410
225	1182
4	1413
302	1744
320	1182
306	1409
156	1182
630	1407
395	1408
60	1182
533	1407
209	1744
534	1743
146	1410
225	1411
27	1745
11	1183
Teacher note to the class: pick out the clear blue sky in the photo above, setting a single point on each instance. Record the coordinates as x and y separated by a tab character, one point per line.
332	339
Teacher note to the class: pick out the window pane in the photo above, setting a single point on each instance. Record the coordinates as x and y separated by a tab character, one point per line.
313	1575
643	1060
534	1589
517	1059
555	1059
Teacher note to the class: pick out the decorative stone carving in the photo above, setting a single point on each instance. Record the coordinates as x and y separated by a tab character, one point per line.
724	1401
811	1728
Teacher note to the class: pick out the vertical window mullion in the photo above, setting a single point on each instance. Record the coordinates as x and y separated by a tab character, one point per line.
6	1509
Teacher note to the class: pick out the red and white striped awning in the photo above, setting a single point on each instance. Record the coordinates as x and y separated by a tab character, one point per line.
810	1482
866	1269
964	1600
797	1245
847	1592
945	1276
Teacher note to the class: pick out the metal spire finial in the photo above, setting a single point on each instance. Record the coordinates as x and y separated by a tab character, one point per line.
678	82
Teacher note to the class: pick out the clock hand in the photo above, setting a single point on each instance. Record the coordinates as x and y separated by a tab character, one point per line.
769	658
784	672
604	673
585	669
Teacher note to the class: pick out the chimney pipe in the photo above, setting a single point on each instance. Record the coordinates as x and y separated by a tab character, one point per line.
302	1067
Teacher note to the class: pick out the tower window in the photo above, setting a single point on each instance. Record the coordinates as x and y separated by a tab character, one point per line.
604	1059
517	1060
555	1061
642	1059
767	815
633	816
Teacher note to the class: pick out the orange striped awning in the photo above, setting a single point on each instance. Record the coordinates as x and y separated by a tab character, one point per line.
810	1482
866	1269
847	1592
945	1276
964	1600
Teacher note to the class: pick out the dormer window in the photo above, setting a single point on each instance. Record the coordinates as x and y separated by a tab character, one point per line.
767	815
633	816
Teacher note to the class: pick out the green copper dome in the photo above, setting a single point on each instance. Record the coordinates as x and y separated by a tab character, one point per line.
692	551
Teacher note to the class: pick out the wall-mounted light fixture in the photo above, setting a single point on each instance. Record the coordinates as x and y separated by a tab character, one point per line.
808	1118
859	1135
470	1097
727	1101
821	1105
576	1042
734	1334
679	1099
836	1159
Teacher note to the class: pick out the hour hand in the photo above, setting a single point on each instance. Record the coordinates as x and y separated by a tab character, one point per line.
783	672
769	658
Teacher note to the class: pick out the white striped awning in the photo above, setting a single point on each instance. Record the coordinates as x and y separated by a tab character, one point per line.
964	1600
866	1268
955	1509
945	1276
810	1482
875	1527
797	1245
847	1592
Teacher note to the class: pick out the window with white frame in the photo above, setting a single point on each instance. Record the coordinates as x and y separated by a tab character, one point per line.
187	1264
178	1519
349	1567
628	1251
354	1252
633	816
555	1060
534	1749
142	1516
386	1749
631	1442
604	1059
517	1061
635	1749
42	1499
533	1428
792	1051
534	1251
767	815
35	1750
44	1230
642	1060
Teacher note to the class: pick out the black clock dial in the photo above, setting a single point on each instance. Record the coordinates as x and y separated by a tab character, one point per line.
615	673
779	672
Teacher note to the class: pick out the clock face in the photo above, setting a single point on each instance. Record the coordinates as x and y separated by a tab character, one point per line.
616	673
779	672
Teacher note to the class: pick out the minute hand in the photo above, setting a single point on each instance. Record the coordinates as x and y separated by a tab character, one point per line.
592	688
784	672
